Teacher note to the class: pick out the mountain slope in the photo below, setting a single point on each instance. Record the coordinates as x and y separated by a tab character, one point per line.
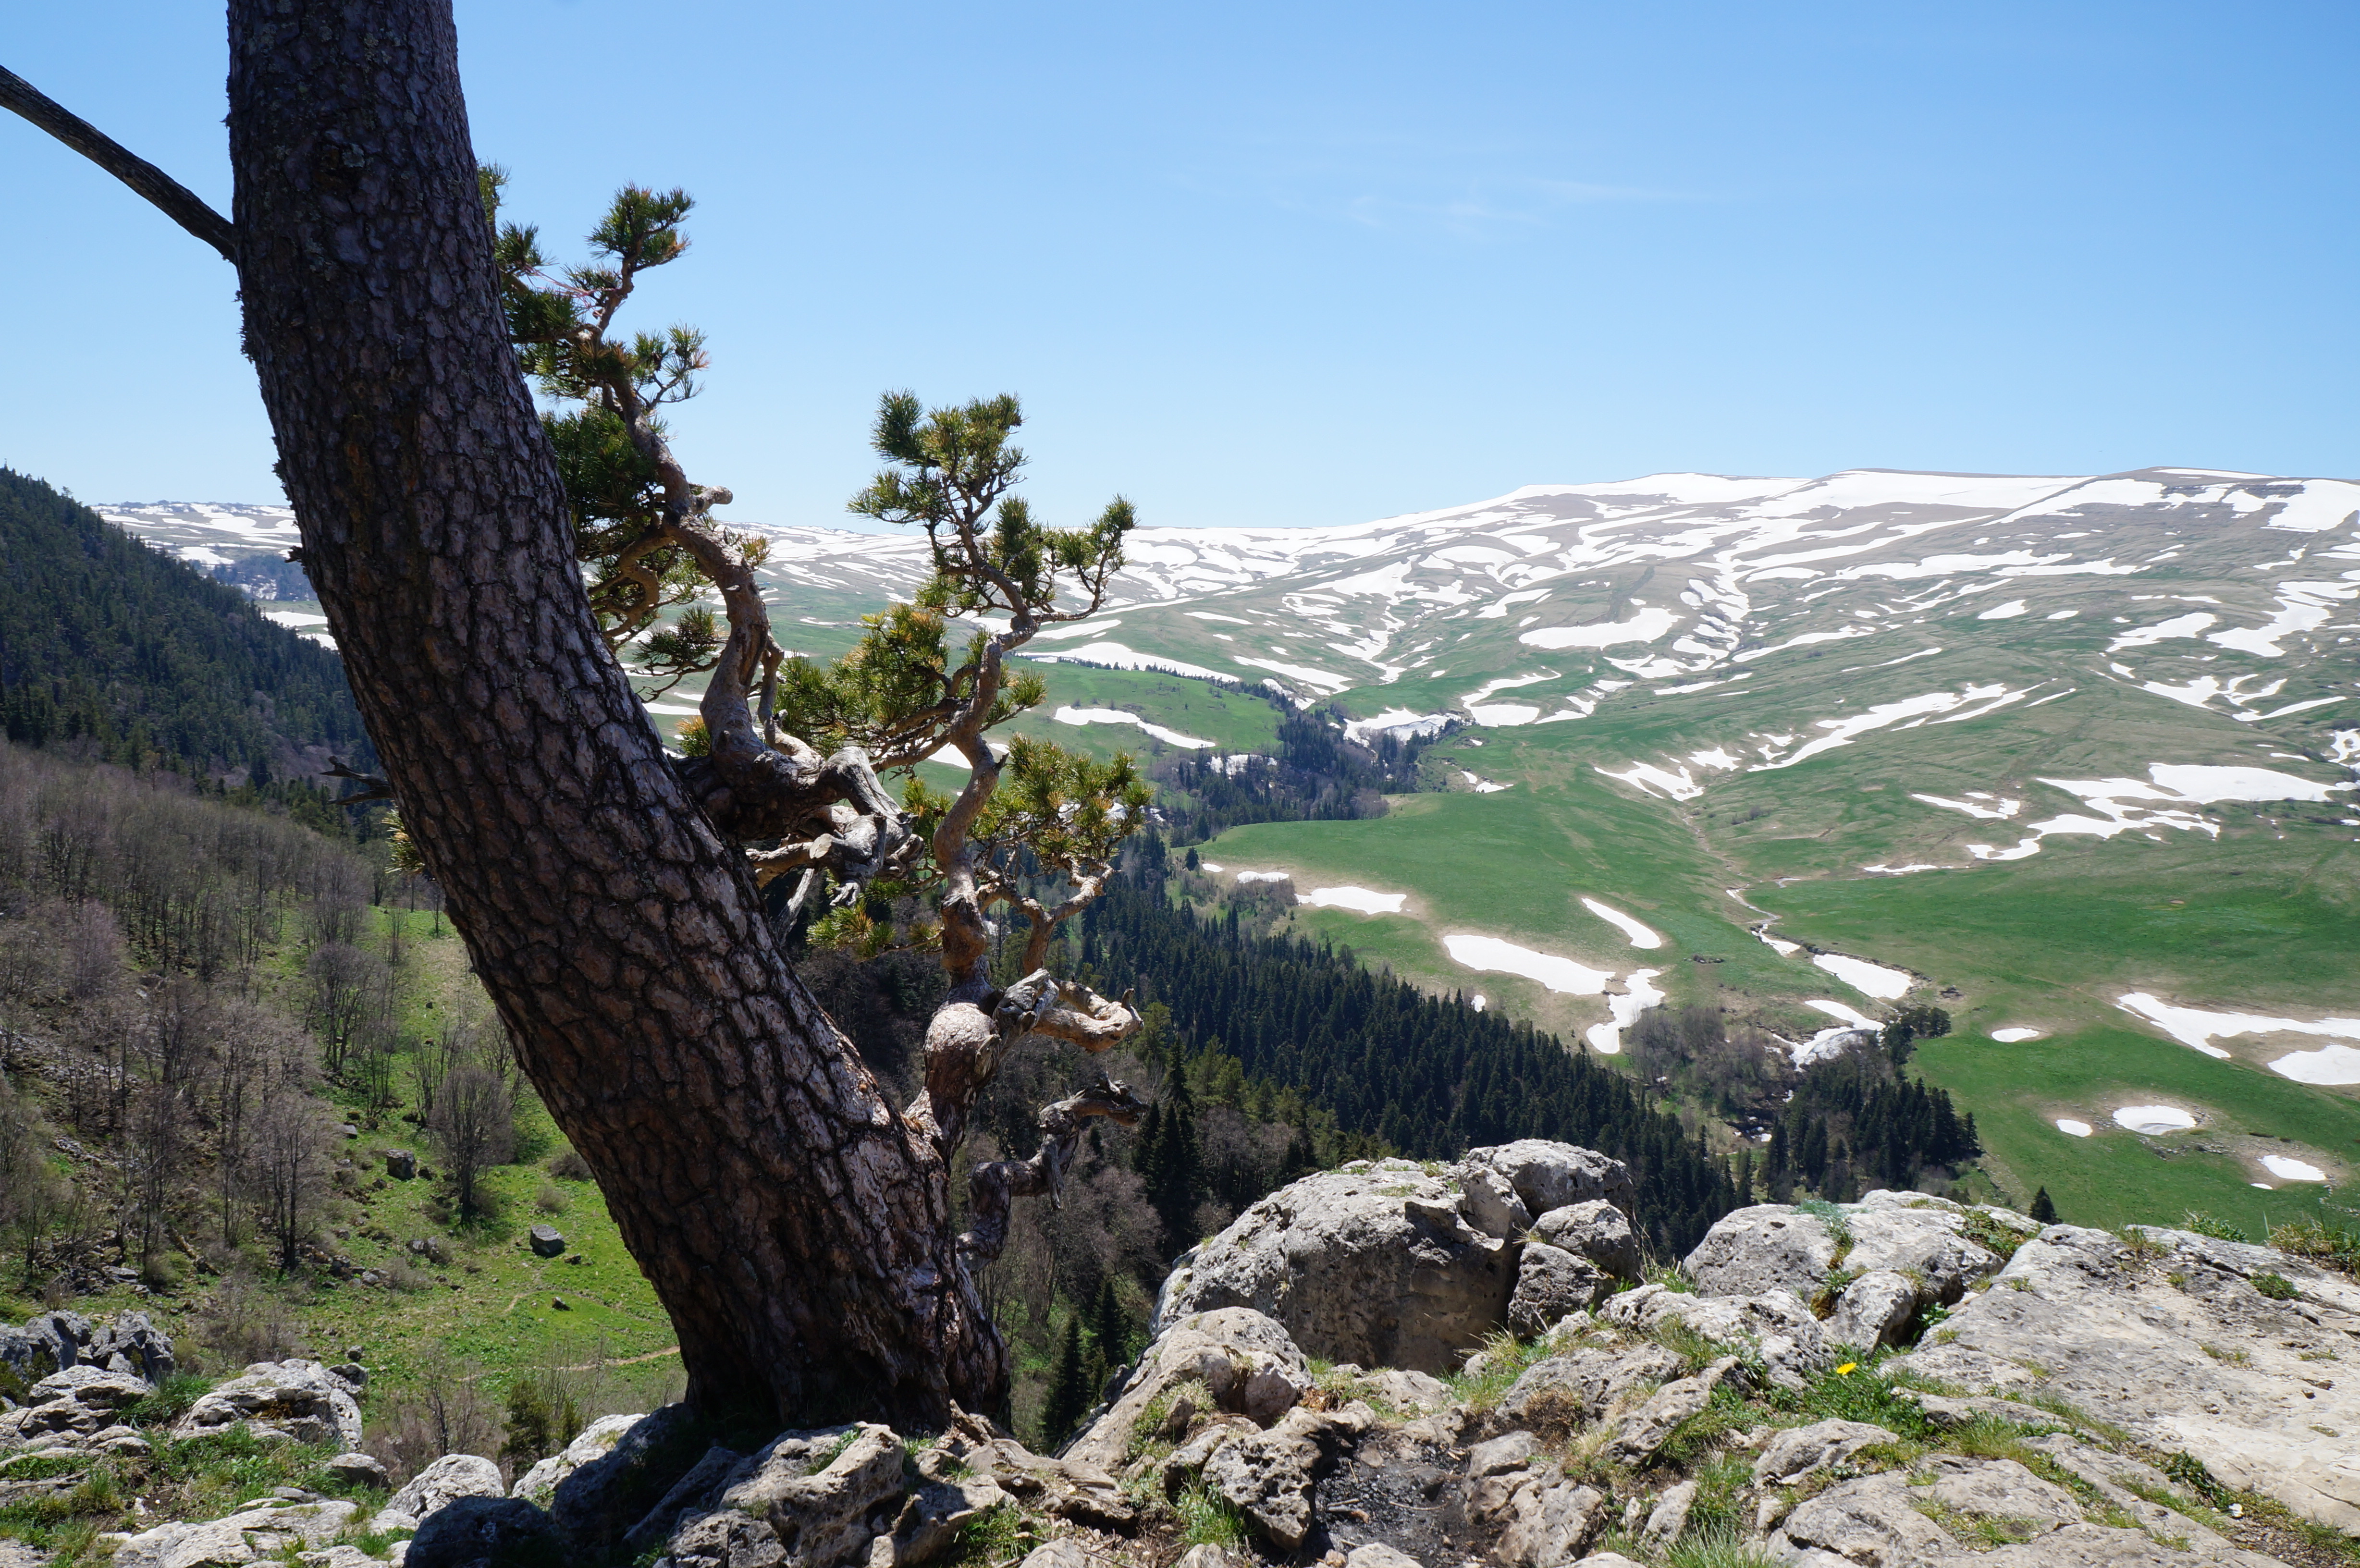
2070	755
105	643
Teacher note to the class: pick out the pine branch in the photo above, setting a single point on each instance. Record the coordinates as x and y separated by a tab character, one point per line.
174	200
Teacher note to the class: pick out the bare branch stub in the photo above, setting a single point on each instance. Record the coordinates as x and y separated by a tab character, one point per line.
993	1186
167	195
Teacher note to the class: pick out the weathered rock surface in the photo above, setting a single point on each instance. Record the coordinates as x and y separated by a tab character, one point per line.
1546	1176
1554	1396
1798	1451
1779	1247
1551	1284
1372	1263
59	1341
1873	1310
814	1499
1960	1508
484	1531
1793	1344
1648	1428
1597	1231
357	1469
1224	1350
436	1487
2180	1350
298	1400
253	1534
538	1485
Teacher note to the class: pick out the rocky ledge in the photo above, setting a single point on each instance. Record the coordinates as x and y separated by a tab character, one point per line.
1393	1365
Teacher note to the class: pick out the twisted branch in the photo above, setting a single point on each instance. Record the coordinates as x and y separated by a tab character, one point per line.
992	1187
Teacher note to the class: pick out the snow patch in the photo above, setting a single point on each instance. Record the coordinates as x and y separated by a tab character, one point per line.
1869	979
1606	1038
1362	899
1645	627
1072	715
1489	953
2287	1169
1641	936
2153	1120
2010	1036
2073	1128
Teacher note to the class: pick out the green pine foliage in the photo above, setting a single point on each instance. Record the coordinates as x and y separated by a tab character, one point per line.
1857	1123
126	656
2044	1208
1069	1390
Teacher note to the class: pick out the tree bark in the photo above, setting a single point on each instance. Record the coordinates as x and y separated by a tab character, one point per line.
796	1227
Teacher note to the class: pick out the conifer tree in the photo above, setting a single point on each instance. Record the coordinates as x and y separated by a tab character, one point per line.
1069	1394
1110	1326
2042	1208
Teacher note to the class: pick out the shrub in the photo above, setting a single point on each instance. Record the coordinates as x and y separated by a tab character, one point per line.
2217	1228
2276	1287
568	1166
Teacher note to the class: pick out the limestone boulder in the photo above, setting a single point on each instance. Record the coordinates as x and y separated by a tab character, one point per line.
436	1487
538	1485
1596	1230
257	1533
822	1493
2175	1344
1554	1394
1873	1310
1545	1175
1552	1283
1770	1246
486	1531
1948	1511
1796	1452
302	1400
1792	1343
1373	1264
1227	1352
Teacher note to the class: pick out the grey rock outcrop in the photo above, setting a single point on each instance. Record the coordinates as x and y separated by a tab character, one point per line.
815	1500
255	1534
1770	1246
1545	1175
1792	1345
436	1487
1873	1310
1646	1429
60	1341
2179	1349
1799	1451
1950	1513
354	1468
547	1241
484	1531
1597	1231
1372	1263
1224	1350
538	1485
1554	1394
1781	1246
302	1400
1551	1284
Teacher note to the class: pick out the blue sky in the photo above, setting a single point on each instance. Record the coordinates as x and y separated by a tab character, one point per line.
1314	264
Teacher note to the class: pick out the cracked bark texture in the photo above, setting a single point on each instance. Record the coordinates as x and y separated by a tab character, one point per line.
796	1227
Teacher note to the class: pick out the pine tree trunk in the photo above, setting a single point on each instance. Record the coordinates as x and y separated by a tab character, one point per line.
797	1228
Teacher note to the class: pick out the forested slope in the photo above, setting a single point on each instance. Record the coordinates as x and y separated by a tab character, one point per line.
134	657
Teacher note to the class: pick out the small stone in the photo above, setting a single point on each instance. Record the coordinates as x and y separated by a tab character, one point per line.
559	1302
357	1469
546	1241
399	1164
